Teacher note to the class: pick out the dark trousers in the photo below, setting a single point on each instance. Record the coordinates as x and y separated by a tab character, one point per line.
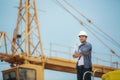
80	72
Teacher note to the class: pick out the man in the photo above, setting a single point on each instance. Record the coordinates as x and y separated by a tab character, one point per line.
84	57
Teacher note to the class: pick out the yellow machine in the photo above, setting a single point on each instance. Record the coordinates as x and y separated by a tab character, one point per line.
24	72
26	56
113	75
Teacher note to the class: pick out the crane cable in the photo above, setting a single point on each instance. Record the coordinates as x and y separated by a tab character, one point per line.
89	21
59	4
86	26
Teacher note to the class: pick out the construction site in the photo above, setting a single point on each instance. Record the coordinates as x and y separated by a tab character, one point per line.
36	36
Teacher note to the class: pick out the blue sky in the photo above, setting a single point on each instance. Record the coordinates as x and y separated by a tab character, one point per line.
58	26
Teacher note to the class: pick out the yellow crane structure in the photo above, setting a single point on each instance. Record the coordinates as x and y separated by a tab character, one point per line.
26	57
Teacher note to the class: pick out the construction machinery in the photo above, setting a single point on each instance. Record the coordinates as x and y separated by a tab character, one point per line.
26	57
26	45
112	75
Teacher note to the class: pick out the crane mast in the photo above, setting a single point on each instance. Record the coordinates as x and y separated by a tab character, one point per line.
27	30
26	42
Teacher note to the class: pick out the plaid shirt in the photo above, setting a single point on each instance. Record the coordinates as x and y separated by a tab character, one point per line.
85	50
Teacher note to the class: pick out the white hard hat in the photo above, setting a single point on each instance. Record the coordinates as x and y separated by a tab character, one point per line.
82	33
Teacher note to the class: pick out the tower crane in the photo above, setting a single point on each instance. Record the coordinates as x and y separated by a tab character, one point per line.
26	45
26	56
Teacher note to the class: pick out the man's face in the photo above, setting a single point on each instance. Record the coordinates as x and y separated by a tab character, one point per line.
82	39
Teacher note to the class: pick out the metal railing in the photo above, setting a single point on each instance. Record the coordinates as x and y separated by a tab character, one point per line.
66	52
90	72
87	73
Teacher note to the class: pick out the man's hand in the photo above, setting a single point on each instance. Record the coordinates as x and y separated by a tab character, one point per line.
76	55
